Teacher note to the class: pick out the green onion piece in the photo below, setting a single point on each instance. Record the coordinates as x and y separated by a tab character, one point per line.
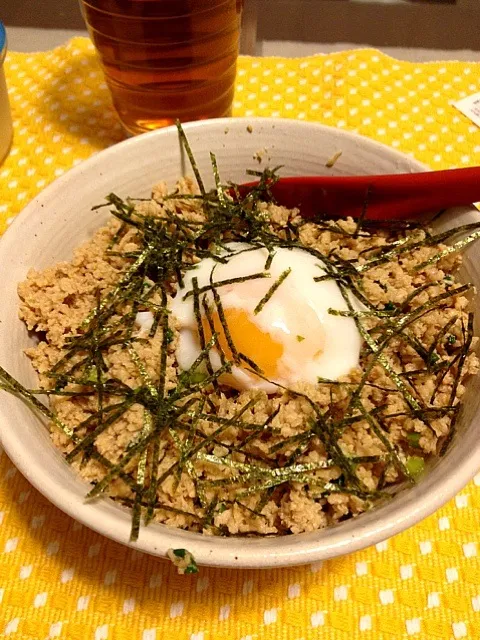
196	377
413	439
300	338
191	568
415	466
183	560
93	376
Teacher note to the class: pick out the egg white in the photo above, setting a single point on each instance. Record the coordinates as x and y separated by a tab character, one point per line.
296	316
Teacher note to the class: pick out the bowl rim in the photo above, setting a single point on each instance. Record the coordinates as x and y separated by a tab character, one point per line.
213	551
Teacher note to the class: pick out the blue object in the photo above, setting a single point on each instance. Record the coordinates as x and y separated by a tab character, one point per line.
6	130
3	42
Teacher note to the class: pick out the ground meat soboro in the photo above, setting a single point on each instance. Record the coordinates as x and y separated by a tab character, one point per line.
197	455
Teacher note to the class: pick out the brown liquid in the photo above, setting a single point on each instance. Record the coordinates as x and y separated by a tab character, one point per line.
166	59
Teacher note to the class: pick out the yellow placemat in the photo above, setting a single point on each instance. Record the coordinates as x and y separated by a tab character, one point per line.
60	580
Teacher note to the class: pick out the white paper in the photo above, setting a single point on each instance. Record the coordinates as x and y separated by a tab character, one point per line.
470	107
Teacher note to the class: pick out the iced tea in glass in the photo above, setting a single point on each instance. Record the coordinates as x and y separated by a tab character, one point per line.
166	59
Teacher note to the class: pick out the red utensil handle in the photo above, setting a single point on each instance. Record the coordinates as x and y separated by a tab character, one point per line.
402	196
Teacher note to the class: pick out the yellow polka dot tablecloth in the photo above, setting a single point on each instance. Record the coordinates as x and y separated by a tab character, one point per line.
61	580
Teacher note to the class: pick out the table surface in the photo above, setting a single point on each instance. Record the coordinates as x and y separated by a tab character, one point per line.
60	580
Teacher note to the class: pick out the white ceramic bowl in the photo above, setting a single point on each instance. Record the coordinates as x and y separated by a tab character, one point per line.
56	221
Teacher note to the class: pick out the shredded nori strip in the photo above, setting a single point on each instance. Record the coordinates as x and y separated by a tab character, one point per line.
281	278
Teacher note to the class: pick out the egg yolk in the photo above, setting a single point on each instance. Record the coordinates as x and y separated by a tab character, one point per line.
247	338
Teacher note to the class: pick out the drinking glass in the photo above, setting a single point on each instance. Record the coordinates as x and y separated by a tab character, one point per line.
165	60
